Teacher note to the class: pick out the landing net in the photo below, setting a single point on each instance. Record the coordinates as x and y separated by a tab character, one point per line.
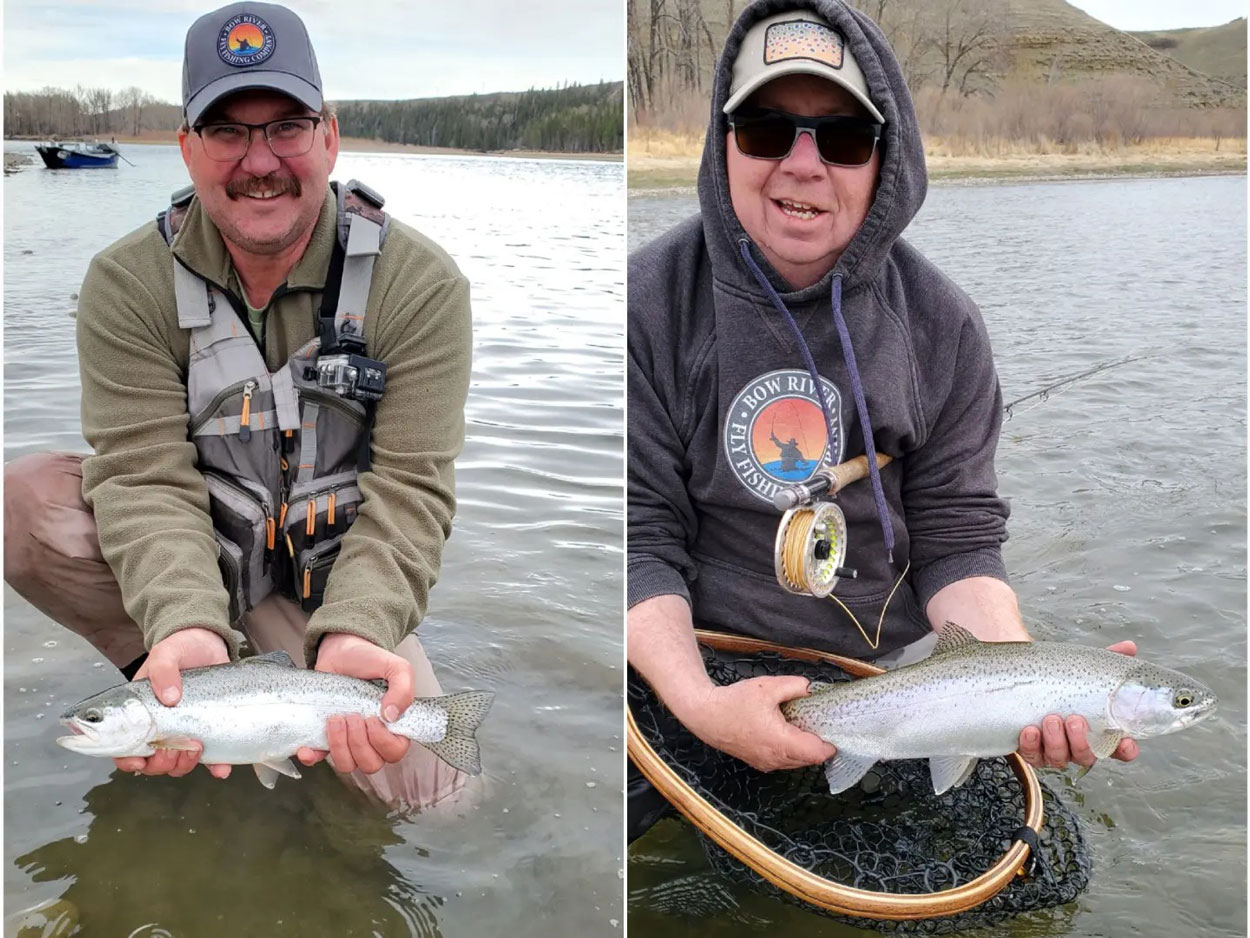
891	834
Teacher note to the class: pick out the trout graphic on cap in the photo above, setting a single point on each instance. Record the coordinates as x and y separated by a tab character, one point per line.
245	46
796	42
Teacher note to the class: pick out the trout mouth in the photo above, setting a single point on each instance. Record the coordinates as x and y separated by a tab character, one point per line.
80	736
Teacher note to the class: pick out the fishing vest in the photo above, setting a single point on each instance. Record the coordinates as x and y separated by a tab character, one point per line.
280	451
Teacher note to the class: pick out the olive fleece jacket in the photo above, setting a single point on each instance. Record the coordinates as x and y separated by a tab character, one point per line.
151	502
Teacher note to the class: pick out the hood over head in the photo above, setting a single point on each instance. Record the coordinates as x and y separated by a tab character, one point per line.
903	180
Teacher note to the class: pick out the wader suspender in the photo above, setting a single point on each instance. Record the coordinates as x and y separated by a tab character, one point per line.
361	230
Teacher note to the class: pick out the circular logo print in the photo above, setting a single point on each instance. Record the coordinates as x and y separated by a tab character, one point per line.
245	40
775	434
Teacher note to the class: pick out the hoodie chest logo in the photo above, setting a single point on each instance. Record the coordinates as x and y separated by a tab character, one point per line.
775	431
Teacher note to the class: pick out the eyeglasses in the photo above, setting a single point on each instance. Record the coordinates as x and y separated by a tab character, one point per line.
841	140
287	137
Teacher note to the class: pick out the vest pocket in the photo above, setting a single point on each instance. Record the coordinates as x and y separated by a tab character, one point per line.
230	563
336	425
312	570
243	517
315	518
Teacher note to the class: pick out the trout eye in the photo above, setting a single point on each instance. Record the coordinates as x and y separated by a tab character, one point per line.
1182	699
93	716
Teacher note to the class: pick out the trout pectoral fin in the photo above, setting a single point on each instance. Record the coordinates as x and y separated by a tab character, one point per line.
949	771
268	772
845	769
1103	744
176	742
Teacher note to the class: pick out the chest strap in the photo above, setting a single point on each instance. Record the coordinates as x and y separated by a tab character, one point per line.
362	228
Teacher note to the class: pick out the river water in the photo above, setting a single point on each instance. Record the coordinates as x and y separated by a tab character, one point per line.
1128	495
528	604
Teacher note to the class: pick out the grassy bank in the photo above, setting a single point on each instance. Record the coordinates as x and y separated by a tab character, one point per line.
663	159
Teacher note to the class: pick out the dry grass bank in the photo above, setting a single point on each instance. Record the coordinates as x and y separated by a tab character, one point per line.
659	159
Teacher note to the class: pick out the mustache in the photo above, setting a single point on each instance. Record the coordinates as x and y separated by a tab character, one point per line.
272	182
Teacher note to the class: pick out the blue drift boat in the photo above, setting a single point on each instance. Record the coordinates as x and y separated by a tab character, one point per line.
77	155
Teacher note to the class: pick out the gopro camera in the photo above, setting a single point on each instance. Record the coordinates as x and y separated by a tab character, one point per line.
354	376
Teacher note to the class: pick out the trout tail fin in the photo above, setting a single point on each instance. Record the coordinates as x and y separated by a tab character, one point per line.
458	747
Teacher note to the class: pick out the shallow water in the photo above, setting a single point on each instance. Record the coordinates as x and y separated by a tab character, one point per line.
1128	494
528	602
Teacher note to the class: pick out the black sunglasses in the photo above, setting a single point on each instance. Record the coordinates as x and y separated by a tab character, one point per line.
841	140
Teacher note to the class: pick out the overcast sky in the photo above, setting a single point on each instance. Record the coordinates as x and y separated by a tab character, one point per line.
398	48
1130	15
365	48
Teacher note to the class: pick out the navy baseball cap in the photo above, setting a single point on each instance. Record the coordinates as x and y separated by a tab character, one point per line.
244	46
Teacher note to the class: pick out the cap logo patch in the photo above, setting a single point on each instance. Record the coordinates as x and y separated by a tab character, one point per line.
801	39
246	39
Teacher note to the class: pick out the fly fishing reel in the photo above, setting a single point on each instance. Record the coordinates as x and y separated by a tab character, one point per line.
810	549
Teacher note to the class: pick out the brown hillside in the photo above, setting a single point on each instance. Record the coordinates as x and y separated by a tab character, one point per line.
1218	51
1029	41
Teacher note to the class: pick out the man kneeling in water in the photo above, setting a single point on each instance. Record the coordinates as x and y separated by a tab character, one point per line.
274	376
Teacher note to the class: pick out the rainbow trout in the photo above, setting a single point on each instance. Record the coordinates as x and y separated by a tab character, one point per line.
260	711
971	699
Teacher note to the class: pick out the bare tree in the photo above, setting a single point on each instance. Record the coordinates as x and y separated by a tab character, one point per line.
133	100
967	44
96	103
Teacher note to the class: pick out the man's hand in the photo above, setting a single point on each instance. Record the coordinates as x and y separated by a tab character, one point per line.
357	742
745	720
188	648
1056	743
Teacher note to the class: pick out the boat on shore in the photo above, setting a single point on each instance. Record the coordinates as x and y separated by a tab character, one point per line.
77	155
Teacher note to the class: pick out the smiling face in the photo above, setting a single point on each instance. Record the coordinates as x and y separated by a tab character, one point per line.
262	204
800	211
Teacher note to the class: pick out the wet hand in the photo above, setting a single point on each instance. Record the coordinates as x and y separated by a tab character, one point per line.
1057	741
745	720
357	742
188	648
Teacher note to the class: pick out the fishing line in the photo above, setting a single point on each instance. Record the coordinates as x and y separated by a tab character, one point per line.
881	618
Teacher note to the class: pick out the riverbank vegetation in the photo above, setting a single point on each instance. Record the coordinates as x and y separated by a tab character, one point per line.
582	119
572	119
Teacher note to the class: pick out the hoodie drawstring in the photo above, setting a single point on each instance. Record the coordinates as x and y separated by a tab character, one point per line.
857	389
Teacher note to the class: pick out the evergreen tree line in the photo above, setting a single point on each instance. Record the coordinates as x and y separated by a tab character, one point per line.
572	119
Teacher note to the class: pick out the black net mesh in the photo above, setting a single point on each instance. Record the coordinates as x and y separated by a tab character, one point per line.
890	834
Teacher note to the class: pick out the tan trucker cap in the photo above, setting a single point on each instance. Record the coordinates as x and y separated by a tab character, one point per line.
797	42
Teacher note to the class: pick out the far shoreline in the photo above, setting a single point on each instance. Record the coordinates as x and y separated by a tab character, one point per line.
671	163
645	184
364	145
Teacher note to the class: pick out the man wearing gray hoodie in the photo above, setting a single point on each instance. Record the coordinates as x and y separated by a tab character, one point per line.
794	277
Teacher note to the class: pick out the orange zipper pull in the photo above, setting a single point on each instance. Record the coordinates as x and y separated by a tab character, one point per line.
311	527
245	419
330	511
307	581
269	532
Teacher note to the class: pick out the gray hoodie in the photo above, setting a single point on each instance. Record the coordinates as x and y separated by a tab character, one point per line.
722	411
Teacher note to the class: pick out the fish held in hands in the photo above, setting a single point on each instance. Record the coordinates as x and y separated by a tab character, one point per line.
260	711
970	699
